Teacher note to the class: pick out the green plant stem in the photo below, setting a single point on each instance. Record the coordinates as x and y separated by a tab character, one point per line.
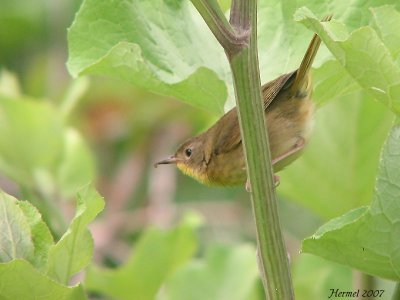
74	93
368	282
396	293
273	260
363	281
218	24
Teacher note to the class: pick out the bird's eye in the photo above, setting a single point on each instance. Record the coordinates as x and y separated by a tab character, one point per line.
188	152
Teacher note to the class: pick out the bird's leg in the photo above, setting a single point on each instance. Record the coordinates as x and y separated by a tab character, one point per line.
297	147
248	186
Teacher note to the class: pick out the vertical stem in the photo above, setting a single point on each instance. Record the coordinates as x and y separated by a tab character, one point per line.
362	281
239	39
396	293
244	64
368	282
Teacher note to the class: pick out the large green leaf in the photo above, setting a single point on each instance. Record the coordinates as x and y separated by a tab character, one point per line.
157	255
348	133
15	233
23	234
363	54
165	47
74	250
387	20
338	169
40	234
162	46
19	280
368	238
282	43
225	273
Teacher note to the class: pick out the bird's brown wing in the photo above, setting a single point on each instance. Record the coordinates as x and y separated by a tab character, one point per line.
272	88
228	137
227	132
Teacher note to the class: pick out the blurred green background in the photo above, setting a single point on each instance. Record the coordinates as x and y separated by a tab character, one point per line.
127	130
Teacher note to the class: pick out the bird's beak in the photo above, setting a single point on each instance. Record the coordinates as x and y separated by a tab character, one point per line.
170	160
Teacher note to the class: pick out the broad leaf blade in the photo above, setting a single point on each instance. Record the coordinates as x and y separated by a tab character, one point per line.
74	250
282	42
162	46
130	40
363	55
41	236
19	280
368	239
15	232
387	20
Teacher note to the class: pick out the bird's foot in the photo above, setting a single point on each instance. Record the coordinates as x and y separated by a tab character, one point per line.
276	183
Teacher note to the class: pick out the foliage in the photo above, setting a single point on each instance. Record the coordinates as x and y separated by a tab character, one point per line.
150	44
368	237
366	68
164	47
74	250
29	254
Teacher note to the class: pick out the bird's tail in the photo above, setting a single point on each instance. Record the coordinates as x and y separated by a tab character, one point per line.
301	82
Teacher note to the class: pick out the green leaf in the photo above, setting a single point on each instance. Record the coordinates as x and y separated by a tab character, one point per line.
225	273
387	20
363	54
41	236
368	239
157	255
74	250
15	233
23	234
19	280
177	55
332	82
162	46
282	43
337	170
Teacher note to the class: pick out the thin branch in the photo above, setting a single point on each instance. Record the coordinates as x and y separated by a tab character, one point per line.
239	18
219	25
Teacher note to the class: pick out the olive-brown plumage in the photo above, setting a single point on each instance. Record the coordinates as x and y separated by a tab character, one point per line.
215	157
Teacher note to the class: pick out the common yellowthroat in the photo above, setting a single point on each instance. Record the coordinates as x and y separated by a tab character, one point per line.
215	157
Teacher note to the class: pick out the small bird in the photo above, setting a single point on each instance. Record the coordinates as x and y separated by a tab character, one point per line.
215	157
